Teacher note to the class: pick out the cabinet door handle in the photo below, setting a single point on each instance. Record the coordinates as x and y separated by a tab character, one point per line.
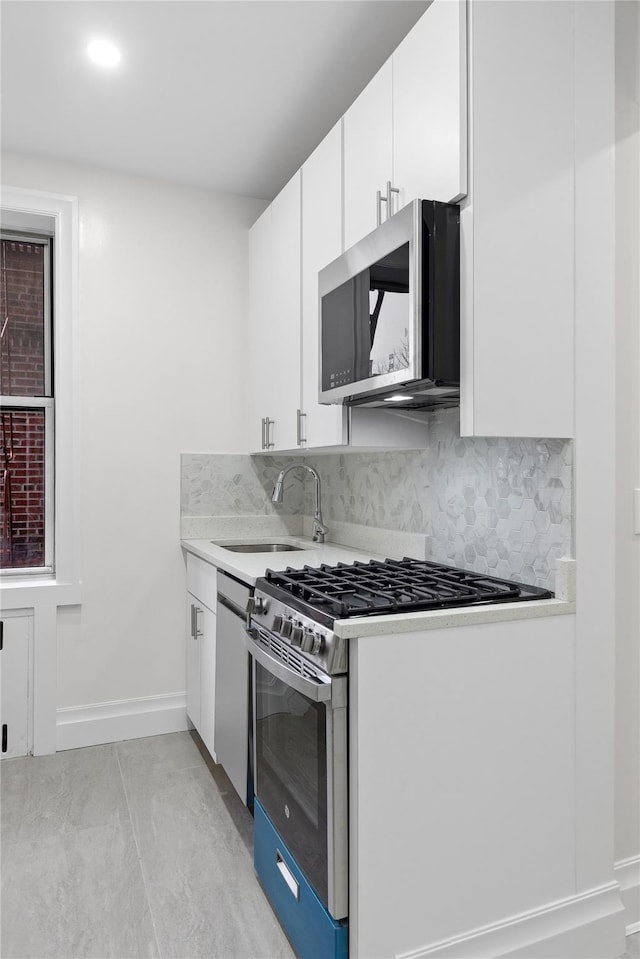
264	442
300	438
193	622
389	199
268	423
198	632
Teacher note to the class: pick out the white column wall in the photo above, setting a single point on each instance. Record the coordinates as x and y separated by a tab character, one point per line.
627	460
163	307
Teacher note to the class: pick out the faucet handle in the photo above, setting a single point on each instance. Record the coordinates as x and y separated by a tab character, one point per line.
318	531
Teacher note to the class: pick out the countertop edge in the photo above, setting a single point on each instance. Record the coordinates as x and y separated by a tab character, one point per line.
441	618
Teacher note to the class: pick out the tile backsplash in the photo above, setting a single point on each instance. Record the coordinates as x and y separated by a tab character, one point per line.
502	506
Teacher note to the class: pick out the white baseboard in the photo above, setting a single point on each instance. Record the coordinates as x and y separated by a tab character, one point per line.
627	873
588	926
100	723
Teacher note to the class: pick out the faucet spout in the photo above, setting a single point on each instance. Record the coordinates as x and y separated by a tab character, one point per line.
318	529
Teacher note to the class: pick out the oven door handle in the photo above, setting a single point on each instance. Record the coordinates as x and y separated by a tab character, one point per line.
318	692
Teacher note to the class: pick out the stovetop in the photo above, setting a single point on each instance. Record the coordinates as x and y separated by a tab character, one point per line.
327	593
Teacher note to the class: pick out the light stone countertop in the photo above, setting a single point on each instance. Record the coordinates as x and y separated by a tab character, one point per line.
250	566
440	618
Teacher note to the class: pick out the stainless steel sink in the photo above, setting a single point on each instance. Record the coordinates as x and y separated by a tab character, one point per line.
258	547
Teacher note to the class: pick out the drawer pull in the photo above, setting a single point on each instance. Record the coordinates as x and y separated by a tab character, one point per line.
288	876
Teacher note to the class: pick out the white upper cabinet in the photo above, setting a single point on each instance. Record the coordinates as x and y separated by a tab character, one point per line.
518	226
284	340
407	129
368	154
274	323
321	425
430	106
260	323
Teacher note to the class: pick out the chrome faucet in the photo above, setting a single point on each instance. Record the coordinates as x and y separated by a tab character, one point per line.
318	530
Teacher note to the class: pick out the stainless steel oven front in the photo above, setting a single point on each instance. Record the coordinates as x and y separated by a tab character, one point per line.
300	761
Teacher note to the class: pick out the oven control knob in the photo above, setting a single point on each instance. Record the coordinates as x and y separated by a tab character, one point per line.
256	605
277	624
311	643
296	636
286	628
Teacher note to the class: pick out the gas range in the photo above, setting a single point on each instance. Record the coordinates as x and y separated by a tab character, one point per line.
297	608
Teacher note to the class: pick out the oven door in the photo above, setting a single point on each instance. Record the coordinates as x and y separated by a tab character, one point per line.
300	763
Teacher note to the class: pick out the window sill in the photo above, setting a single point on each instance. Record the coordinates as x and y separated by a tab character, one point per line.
19	592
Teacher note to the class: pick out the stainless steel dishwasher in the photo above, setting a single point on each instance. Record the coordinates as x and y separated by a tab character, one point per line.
231	730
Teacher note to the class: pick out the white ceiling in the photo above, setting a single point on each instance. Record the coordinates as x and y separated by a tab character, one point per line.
231	95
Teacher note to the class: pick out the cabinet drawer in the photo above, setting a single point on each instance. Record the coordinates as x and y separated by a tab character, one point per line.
312	931
201	581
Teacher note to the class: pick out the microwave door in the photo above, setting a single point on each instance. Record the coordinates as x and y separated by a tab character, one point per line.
363	333
346	338
390	316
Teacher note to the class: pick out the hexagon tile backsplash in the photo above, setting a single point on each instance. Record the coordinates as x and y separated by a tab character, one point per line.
502	506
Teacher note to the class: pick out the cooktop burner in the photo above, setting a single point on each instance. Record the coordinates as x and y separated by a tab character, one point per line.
389	586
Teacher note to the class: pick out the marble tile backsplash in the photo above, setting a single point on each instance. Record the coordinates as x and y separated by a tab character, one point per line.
232	484
502	506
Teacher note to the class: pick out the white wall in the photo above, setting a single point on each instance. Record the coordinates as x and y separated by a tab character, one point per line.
163	302
627	837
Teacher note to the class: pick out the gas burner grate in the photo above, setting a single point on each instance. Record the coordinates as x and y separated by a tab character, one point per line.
392	586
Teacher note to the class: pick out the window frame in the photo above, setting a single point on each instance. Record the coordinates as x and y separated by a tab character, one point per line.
46	402
56	215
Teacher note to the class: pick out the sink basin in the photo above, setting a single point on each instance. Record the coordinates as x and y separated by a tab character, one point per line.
258	547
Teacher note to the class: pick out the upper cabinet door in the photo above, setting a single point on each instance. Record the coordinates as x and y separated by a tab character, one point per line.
368	155
321	425
430	106
274	323
408	127
260	324
283	346
518	230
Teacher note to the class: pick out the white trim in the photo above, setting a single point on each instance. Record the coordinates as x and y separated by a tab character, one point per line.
45	593
64	211
27	402
124	719
627	874
572	928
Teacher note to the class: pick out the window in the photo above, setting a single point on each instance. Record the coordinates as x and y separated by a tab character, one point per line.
27	415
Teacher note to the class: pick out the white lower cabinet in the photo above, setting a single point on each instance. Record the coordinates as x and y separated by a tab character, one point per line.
16	632
478	721
201	648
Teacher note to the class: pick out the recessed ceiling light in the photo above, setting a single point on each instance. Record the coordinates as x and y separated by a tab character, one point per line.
398	398
104	53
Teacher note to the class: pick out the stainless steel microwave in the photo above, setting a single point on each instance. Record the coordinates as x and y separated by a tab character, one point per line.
390	313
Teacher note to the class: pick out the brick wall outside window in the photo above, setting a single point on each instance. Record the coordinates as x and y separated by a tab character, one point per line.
22	489
22	432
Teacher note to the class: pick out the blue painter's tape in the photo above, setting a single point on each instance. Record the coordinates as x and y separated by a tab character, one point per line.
313	933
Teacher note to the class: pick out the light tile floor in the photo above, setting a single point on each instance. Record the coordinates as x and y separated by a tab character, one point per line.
130	850
137	849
